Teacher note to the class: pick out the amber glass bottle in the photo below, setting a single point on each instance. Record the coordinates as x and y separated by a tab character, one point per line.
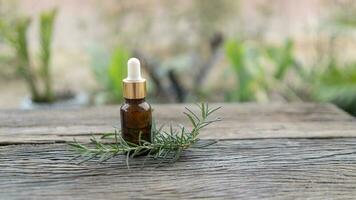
135	112
136	118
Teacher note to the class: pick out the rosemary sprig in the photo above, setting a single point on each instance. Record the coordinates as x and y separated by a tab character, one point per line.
165	146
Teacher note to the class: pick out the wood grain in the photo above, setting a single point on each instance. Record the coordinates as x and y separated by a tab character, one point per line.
230	169
239	121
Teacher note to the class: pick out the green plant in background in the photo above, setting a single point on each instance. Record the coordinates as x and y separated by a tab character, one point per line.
337	85
260	70
109	72
8	12
282	58
244	63
118	71
343	14
16	36
46	34
17	39
334	81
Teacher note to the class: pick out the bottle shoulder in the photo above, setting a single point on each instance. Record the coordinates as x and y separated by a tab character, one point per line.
141	106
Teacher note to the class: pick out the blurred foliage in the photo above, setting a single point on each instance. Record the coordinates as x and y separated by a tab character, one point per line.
282	57
8	14
335	79
46	34
15	34
118	71
210	15
335	84
260	70
338	85
344	14
176	39
244	64
109	72
166	24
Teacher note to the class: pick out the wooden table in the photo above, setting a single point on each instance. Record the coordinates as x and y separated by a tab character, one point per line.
273	151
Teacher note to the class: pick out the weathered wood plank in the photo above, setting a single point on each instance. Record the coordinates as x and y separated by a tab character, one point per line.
239	121
230	169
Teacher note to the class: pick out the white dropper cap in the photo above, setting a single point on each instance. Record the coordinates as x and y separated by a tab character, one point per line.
134	70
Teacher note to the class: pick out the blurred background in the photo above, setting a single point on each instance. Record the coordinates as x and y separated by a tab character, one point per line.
65	54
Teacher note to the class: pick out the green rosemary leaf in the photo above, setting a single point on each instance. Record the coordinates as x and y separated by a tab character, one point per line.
108	135
192	113
88	158
190	118
213	110
164	158
203	110
177	155
77	146
165	146
106	156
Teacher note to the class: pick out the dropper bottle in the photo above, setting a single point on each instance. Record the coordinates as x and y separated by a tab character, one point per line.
135	112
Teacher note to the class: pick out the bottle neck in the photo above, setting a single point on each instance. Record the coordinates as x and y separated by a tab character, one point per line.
135	101
134	89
